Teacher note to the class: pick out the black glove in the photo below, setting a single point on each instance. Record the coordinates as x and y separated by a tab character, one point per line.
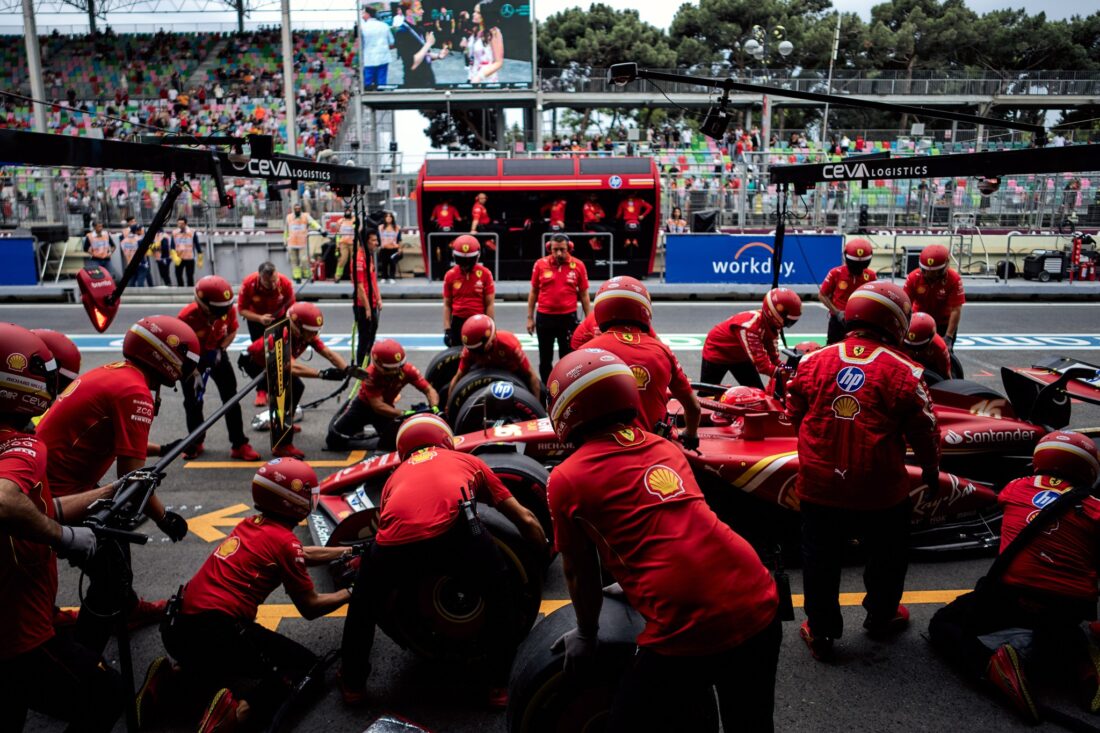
447	338
690	442
950	341
166	448
77	545
930	477
173	525
333	374
579	647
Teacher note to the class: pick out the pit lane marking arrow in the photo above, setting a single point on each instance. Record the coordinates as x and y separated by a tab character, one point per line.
354	457
205	526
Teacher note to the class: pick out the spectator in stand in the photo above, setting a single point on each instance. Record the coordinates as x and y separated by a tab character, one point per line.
186	246
389	235
676	223
100	248
298	224
128	242
377	42
630	214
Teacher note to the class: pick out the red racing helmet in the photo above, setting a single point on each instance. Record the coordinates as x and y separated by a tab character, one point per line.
466	248
933	258
591	386
882	306
287	487
807	347
922	327
387	354
307	315
782	307
1067	455
28	372
747	398
478	332
623	299
215	293
164	346
423	431
65	353
858	250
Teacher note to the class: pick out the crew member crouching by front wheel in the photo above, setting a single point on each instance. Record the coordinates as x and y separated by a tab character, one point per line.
375	404
1041	586
214	638
628	497
306	321
484	347
745	344
422	530
926	347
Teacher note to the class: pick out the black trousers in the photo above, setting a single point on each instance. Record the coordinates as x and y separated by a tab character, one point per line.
366	329
185	270
385	568
659	691
551	328
354	415
745	373
387	263
837	329
108	597
826	531
253	370
64	680
221	374
456	329
255	330
164	269
215	650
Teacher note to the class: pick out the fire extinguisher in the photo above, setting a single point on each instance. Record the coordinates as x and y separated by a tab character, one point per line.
317	268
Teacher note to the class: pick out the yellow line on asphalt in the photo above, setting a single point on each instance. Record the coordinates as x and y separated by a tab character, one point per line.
354	457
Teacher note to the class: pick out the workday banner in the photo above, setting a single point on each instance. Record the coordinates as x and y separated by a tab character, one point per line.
747	258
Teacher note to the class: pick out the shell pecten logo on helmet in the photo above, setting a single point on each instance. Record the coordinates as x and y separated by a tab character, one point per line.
663	482
17	362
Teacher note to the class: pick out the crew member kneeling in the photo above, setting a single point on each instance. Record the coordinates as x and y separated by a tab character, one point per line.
484	347
628	497
926	347
421	529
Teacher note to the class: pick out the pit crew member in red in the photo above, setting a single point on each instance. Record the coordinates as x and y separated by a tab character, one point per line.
423	530
937	289
368	298
213	318
215	639
856	404
630	214
927	348
468	289
842	281
104	417
484	347
650	526
445	215
585	331
306	321
558	282
745	344
555	213
480	221
32	657
264	298
592	220
376	403
624	312
1047	585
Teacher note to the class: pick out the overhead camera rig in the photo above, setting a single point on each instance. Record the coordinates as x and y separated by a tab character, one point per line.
162	154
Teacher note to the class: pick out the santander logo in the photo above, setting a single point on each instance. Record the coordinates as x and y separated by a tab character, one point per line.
953	438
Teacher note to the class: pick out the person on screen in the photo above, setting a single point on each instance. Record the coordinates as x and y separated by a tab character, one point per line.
377	42
486	49
415	47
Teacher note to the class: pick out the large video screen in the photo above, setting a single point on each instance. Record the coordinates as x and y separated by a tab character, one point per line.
453	44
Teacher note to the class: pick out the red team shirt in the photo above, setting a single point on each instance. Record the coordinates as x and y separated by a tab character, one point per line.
935	299
632	210
468	291
506	353
840	283
745	337
387	384
480	215
656	369
1063	558
28	570
258	556
557	287
365	275
557	213
444	216
103	415
585	331
256	348
856	404
700	587
210	333
592	213
417	505
255	297
933	356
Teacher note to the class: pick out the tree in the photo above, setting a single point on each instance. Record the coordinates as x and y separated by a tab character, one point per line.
601	36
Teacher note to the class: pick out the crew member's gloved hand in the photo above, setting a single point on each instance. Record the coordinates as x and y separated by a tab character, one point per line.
447	338
408	413
435	409
691	442
839	318
200	261
166	448
173	525
579	647
950	341
77	545
930	477
332	374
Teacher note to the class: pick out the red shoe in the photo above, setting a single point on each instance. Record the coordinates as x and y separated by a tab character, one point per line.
146	613
821	648
150	700
595	244
884	629
288	451
64	618
1007	674
296	428
194	452
261	398
221	715
497	698
244	452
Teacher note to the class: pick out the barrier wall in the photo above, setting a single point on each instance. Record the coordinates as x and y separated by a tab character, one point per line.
746	259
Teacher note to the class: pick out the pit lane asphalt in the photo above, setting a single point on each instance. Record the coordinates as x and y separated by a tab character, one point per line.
874	686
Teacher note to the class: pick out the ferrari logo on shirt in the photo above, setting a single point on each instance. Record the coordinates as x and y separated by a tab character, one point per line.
858	351
663	482
422	456
628	437
228	547
628	338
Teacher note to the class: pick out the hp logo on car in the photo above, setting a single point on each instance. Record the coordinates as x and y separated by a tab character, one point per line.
502	390
850	379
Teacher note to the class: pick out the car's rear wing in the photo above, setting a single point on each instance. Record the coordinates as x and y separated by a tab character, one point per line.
1042	394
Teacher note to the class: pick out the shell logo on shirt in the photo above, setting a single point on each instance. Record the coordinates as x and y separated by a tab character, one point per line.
846	407
842	285
228	546
663	482
641	375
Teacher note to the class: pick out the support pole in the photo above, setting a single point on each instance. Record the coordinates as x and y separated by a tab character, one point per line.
91	17
829	86
288	87
38	89
240	16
